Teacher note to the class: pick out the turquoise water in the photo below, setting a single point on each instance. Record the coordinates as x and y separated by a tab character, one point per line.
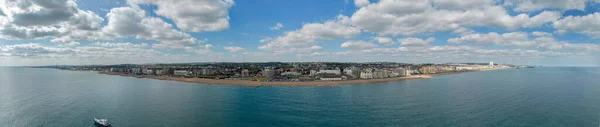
511	97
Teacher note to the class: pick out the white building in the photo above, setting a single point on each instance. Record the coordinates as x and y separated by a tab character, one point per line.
180	72
149	72
245	73
290	74
492	64
313	72
136	70
159	72
334	71
268	72
366	75
331	78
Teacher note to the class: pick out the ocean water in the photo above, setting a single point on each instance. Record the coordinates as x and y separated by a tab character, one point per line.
32	97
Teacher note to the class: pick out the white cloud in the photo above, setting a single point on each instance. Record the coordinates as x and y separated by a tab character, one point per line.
384	40
541	40
306	37
193	15
96	50
235	49
132	21
587	24
125	21
13	32
361	3
357	45
277	26
415	42
409	17
40	19
461	4
41	12
119	45
535	5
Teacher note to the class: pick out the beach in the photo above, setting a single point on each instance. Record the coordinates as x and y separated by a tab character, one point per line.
306	83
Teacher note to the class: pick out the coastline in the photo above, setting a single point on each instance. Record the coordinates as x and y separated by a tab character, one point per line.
309	83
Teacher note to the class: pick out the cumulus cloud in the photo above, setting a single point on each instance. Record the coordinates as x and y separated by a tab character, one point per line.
357	45
384	40
39	19
415	42
119	45
41	12
540	40
361	3
277	26
96	50
587	24
235	49
409	17
13	32
535	5
206	15
132	21
307	36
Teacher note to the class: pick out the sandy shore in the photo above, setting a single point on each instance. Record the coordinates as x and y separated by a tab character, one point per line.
256	83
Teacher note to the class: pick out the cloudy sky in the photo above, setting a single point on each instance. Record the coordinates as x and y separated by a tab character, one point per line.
75	32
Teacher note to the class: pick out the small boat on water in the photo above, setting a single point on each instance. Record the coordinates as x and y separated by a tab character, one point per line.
101	122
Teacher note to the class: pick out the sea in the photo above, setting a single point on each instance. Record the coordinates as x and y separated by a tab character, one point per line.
543	96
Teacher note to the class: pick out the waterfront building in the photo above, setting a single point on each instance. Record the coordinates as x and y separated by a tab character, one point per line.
491	64
268	72
159	72
313	72
352	71
149	72
332	71
207	71
180	72
245	73
331	77
136	70
167	71
366	75
398	72
378	74
290	74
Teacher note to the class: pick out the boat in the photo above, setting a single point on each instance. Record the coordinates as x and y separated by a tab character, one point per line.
101	122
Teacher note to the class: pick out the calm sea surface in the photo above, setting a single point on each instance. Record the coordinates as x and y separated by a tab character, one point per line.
512	97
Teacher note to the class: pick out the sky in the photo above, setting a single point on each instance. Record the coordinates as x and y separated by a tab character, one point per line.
84	32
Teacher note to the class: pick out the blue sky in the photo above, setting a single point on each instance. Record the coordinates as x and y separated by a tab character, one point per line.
541	32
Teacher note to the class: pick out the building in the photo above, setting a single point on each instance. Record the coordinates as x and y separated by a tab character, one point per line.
313	72
378	74
207	71
167	71
366	75
180	72
268	72
491	64
149	72
398	72
136	71
291	74
333	71
159	72
331	77
245	73
352	71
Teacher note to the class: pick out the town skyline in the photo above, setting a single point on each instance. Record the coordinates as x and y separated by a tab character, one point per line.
86	32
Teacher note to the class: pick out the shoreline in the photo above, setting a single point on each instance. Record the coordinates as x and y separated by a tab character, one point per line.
309	83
